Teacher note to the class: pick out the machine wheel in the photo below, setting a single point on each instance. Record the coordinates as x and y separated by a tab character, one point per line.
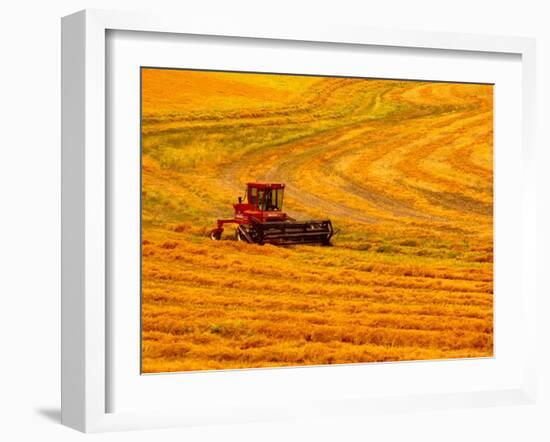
239	236
215	235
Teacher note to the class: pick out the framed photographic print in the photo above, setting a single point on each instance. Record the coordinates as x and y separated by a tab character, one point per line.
269	223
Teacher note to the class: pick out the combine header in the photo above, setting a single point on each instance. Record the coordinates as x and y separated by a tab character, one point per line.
261	220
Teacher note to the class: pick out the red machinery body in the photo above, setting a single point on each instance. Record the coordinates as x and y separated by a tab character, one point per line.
261	220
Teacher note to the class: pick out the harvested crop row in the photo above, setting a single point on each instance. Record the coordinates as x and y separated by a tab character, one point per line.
403	169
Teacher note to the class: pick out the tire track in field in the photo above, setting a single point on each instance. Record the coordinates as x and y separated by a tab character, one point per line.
398	208
347	141
284	172
297	155
231	174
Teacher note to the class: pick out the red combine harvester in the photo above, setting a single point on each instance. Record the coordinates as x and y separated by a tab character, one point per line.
261	220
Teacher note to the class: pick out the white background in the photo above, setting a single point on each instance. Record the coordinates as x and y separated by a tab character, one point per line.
30	219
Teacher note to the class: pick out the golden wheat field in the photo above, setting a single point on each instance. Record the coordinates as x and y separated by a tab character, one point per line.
404	169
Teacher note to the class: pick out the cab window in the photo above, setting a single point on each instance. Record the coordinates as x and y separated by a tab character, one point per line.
253	198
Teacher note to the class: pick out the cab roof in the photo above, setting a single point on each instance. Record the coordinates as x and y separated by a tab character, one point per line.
266	185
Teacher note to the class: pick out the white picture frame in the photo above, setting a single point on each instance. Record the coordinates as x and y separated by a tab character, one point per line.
85	202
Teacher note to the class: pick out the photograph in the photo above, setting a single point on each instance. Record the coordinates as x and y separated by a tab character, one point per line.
307	220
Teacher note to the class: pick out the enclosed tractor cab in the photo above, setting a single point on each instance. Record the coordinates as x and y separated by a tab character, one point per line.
261	220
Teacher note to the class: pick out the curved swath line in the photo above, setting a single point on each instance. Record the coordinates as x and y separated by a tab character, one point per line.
461	158
428	94
272	118
287	170
456	201
423	176
371	194
471	123
231	175
292	166
321	143
320	93
405	171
